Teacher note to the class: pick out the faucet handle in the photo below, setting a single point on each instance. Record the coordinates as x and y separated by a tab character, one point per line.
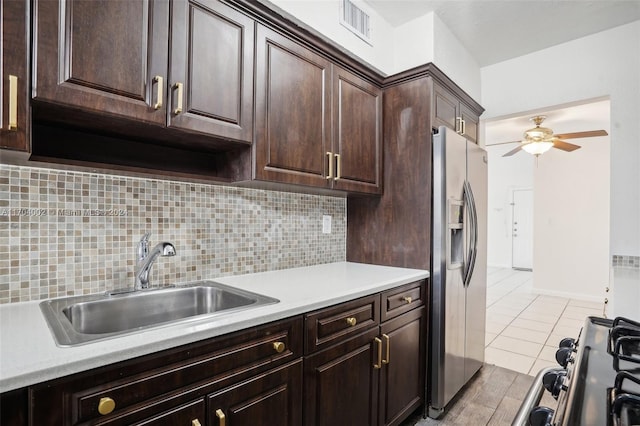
143	246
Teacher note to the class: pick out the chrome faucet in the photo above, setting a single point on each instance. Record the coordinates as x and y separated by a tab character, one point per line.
146	259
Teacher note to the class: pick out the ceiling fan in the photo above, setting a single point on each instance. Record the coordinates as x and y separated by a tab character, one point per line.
539	140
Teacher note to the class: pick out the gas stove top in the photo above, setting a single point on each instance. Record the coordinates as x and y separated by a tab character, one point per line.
598	381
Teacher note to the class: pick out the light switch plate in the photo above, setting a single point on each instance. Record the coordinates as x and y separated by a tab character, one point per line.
326	224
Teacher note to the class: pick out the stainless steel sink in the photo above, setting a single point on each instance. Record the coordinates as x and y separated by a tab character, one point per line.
82	319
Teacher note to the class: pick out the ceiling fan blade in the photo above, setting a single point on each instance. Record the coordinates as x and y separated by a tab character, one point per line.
513	151
577	135
564	146
503	143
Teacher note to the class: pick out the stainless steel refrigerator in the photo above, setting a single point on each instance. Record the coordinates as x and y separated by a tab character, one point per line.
459	267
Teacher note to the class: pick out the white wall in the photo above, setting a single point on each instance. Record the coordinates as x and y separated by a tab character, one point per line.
571	221
455	60
603	64
406	54
505	175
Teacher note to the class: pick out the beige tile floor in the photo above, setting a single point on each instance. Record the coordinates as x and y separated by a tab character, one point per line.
524	328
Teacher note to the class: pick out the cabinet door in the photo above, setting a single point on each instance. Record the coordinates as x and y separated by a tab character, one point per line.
188	415
402	377
357	143
445	108
14	86
341	383
293	106
102	56
471	121
212	60
273	398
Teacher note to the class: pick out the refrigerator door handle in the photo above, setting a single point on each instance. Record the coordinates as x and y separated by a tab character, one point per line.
473	224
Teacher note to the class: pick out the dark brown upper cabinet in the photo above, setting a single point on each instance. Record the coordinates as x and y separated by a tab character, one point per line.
448	110
119	58
103	56
357	143
14	83
211	71
293	112
316	124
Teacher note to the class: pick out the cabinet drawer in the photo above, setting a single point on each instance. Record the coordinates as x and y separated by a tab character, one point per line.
334	324
190	371
402	299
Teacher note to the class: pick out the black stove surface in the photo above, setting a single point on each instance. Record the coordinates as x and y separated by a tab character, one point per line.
591	378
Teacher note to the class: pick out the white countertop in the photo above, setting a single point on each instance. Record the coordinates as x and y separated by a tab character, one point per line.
29	355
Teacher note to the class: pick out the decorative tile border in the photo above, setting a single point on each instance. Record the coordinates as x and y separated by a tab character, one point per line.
69	233
626	261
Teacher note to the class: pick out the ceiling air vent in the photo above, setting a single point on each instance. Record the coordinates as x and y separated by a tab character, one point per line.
355	20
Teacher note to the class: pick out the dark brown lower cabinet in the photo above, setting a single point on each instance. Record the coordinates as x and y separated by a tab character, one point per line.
375	378
402	376
341	385
273	398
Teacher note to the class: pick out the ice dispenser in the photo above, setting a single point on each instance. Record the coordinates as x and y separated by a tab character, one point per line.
455	234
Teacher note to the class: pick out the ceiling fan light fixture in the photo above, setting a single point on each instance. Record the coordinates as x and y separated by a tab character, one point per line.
537	148
538	134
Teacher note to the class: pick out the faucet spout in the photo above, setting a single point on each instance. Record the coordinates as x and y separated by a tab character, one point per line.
146	259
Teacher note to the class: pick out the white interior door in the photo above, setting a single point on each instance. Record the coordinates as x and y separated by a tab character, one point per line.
522	229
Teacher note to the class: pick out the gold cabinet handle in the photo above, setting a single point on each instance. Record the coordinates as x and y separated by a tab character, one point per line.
388	351
378	343
106	405
407	299
338	167
13	102
221	417
279	347
178	109
159	81
352	321
330	157
195	422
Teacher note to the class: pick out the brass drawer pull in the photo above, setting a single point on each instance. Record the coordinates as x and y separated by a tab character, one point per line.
178	109
352	321
195	422
160	82
330	157
388	343
221	417
13	102
106	405
279	347
407	299
378	343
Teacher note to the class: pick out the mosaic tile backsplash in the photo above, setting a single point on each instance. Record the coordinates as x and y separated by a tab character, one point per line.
626	261
69	233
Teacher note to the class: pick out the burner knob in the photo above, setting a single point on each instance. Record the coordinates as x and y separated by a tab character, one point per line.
553	381
567	342
541	416
563	356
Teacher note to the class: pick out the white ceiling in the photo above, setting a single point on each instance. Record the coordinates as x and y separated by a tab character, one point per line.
494	31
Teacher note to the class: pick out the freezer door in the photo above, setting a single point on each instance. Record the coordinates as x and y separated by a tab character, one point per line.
476	289
447	343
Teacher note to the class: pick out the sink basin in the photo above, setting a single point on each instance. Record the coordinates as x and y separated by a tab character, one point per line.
82	319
